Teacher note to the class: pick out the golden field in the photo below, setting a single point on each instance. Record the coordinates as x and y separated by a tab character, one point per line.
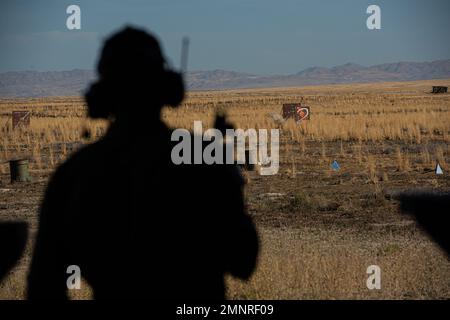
320	229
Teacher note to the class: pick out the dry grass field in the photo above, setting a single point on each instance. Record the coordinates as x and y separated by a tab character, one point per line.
320	229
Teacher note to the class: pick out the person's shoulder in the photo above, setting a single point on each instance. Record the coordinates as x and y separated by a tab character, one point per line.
214	173
80	161
234	174
220	174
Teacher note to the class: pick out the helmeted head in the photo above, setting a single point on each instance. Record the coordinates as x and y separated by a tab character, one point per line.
134	78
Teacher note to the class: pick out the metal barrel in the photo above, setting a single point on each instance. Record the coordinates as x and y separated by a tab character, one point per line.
19	170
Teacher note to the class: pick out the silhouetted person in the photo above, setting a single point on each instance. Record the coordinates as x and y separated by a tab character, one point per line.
13	238
137	225
431	210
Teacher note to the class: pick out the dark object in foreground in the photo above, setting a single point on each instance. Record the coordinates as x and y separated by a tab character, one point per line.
13	238
431	210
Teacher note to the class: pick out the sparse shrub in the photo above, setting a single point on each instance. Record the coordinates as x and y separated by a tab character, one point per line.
403	162
299	200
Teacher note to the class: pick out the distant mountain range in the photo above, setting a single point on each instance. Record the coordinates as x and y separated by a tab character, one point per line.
72	83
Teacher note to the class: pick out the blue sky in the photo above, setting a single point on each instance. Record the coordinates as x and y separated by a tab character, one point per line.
255	36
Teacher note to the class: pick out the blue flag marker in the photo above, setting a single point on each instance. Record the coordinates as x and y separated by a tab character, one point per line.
335	165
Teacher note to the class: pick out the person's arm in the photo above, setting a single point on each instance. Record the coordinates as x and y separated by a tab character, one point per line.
242	243
47	275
